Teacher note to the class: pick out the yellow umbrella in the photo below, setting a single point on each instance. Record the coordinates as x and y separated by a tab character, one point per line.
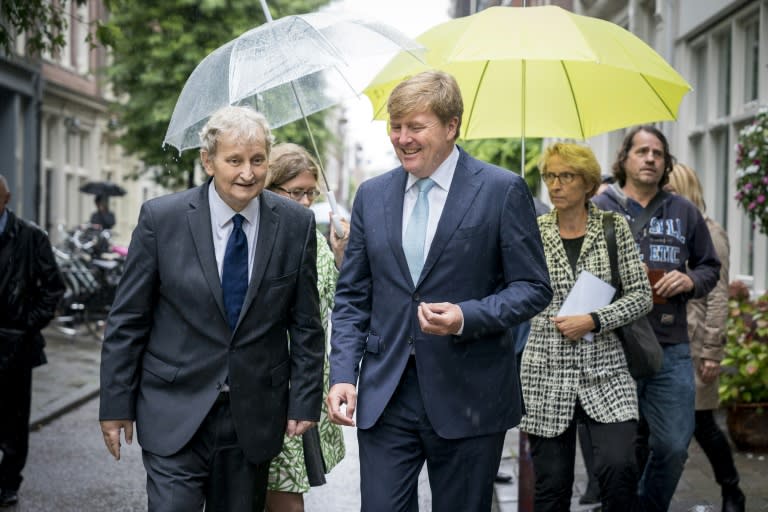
542	72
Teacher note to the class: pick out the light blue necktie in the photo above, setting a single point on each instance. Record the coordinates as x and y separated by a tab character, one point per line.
416	231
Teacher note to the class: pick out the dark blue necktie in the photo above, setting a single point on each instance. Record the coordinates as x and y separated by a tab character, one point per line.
234	274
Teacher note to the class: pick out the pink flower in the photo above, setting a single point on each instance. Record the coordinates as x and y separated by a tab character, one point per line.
748	186
765	180
752	206
738	196
761	199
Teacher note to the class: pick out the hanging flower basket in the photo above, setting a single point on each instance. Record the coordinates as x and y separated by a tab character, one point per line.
752	170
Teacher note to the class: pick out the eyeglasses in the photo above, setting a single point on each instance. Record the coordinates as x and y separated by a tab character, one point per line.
564	177
297	193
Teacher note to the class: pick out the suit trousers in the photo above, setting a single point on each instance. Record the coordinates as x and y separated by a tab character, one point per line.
393	452
613	459
211	471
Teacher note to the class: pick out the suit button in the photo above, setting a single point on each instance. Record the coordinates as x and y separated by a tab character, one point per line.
416	297
410	340
218	386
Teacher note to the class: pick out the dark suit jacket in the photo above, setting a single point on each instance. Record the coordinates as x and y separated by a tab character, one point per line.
168	347
486	256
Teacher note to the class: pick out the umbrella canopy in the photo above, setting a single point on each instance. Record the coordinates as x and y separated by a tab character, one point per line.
103	188
287	69
542	72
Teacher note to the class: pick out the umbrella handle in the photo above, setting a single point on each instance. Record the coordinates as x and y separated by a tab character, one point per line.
335	217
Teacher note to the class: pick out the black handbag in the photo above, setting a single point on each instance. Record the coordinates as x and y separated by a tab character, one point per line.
641	347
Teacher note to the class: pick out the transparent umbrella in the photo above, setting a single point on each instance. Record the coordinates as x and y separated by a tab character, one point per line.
287	69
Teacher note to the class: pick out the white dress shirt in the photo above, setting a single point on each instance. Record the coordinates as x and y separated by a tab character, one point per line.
221	226
443	176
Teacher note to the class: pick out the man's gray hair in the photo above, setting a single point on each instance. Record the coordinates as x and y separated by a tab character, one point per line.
244	123
4	182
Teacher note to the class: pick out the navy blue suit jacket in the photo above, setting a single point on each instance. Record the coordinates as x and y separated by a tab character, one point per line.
486	257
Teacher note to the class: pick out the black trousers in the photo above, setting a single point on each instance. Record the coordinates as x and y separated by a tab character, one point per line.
716	448
614	465
15	400
211	471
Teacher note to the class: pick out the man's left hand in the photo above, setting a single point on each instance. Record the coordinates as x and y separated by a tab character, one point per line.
441	318
298	427
709	369
673	283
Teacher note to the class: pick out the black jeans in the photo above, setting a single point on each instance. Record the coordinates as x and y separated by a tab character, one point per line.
15	400
716	448
614	464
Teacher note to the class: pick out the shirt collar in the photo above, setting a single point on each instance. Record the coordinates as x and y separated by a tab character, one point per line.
221	212
443	175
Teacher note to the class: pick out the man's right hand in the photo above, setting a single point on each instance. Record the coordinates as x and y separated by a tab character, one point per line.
342	394
110	430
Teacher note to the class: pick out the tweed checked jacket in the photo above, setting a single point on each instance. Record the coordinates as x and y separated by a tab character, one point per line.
556	371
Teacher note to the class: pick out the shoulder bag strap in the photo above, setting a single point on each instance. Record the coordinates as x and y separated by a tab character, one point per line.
610	238
641	220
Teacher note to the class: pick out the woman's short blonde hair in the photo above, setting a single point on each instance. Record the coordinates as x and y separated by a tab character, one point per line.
685	183
579	158
287	161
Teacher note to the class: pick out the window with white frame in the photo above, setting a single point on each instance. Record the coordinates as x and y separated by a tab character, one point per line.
725	67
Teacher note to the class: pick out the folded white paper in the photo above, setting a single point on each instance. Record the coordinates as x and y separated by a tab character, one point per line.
588	294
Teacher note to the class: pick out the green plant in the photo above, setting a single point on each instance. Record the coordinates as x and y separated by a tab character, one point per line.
752	170
745	366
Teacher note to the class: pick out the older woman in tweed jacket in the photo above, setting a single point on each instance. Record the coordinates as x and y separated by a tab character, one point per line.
567	379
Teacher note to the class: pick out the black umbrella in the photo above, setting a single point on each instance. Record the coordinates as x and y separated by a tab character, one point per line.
103	188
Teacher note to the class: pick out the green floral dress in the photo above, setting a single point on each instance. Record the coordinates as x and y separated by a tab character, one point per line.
288	472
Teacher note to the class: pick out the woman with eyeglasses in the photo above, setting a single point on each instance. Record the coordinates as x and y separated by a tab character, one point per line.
293	173
566	378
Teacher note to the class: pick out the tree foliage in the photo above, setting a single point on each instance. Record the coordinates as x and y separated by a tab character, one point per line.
506	153
154	48
43	22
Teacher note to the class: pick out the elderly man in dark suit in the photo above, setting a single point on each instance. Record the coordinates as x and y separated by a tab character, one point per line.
214	345
444	260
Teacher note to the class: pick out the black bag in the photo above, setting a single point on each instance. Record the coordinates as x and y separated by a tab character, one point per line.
641	347
11	345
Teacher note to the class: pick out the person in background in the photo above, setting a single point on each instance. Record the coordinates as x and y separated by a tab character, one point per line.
214	345
444	261
293	173
675	246
567	378
706	329
102	217
30	289
606	181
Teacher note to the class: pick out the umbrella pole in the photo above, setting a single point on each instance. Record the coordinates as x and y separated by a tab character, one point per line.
328	192
265	8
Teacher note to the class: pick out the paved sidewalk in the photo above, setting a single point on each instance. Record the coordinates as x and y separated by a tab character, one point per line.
71	377
696	492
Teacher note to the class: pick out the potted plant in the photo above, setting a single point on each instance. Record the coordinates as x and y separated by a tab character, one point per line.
744	380
752	170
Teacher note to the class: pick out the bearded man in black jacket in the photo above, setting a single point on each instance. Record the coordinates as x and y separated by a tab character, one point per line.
30	289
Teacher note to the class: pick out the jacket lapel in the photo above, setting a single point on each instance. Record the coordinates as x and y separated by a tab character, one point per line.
269	221
199	222
392	198
462	193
